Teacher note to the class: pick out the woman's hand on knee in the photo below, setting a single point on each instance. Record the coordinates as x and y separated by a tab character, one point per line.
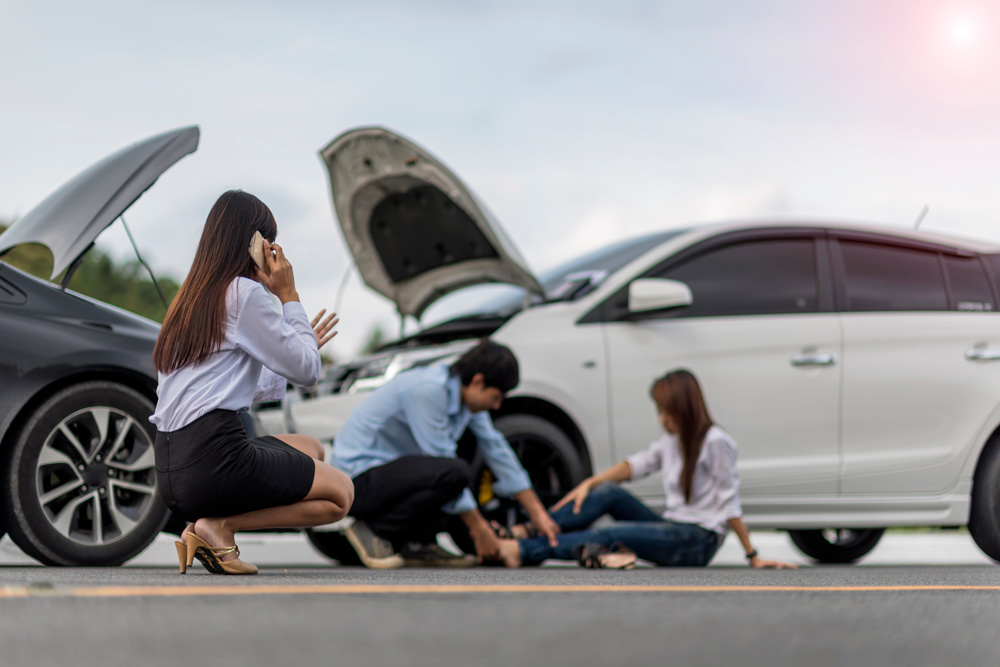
576	496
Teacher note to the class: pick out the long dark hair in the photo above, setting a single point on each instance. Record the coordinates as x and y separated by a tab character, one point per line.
679	395
195	325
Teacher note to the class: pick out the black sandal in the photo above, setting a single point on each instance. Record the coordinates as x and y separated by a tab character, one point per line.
600	556
505	533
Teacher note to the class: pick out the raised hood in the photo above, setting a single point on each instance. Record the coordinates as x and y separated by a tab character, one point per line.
415	230
69	219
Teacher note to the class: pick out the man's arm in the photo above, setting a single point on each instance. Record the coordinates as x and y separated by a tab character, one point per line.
425	406
512	479
542	521
487	544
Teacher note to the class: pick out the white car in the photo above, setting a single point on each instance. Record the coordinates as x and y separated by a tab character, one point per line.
857	367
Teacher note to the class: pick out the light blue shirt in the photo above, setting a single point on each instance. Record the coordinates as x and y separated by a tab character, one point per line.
420	412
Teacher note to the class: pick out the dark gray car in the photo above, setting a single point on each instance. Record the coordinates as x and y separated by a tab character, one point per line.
77	383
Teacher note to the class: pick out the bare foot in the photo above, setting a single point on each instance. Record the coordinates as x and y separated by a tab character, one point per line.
510	553
187	529
215	532
519	531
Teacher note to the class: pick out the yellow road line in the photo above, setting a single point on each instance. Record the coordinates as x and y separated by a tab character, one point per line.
211	590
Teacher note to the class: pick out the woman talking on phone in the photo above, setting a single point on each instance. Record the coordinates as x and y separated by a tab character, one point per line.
224	344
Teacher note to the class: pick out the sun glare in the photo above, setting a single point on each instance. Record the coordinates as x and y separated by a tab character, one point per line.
963	32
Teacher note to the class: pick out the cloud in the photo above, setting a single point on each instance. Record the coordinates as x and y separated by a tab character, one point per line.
577	123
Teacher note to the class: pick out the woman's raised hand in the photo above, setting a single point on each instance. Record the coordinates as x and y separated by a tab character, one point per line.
324	330
576	496
279	280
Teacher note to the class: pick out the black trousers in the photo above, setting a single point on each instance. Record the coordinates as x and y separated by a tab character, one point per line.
401	500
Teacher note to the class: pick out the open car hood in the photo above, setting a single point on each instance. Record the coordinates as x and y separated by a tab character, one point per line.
69	219
416	232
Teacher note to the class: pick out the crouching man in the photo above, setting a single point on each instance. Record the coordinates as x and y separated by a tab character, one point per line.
399	447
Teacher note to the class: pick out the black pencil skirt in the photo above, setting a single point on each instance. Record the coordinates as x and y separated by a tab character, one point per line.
210	468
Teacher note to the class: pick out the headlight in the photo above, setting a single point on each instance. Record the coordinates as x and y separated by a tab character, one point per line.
375	372
374	369
371	375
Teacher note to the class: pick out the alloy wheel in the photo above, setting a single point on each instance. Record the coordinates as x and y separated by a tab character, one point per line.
95	475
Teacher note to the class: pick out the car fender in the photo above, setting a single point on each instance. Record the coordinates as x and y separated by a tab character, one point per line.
35	388
973	452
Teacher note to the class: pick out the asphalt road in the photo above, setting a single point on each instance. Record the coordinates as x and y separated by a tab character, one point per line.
302	611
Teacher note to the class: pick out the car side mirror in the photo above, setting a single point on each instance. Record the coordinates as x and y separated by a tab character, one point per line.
647	294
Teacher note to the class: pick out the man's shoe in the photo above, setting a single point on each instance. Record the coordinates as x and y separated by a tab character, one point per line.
373	551
431	555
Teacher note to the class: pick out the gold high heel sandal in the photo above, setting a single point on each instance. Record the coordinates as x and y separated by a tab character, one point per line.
210	557
182	555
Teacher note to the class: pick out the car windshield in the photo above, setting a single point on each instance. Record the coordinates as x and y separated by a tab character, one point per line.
566	282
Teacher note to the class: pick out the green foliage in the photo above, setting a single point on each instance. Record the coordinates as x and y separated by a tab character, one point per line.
32	258
124	285
376	339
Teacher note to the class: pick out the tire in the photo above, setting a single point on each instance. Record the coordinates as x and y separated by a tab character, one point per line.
984	515
836	545
335	546
547	454
79	483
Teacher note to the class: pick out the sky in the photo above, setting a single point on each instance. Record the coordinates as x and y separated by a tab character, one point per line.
577	123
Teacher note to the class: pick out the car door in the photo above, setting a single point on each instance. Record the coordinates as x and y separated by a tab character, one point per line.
761	336
921	370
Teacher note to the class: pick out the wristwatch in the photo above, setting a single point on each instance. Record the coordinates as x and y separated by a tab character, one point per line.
753	554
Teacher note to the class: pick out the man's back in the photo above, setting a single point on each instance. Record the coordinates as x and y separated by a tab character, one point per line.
418	412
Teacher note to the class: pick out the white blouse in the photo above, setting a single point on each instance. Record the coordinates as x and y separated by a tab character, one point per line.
262	347
715	494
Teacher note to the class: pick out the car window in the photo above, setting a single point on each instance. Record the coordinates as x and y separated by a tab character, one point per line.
891	278
565	281
970	289
766	277
993	265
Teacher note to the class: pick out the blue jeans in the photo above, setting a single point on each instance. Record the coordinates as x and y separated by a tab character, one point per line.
639	528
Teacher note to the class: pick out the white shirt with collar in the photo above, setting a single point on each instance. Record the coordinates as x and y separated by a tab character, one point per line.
715	496
263	349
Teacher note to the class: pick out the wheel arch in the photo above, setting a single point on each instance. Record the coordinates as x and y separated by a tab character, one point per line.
538	407
991	444
132	379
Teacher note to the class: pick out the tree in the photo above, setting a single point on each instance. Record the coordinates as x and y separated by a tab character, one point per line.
376	339
124	285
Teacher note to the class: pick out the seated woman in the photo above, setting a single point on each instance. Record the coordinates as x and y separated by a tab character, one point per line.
700	481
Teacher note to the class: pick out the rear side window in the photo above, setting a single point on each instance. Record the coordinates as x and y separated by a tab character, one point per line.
970	289
993	266
889	278
767	277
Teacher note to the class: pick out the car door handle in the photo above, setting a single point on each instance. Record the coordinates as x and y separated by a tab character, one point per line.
982	354
814	360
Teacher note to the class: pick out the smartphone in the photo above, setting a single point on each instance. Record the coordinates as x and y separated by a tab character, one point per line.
257	252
